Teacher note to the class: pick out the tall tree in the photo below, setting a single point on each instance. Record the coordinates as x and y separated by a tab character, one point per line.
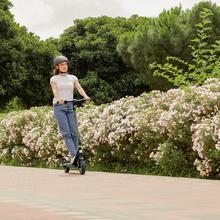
205	58
167	34
5	5
25	62
11	55
91	46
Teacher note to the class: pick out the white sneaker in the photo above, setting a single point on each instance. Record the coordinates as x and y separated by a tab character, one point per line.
66	159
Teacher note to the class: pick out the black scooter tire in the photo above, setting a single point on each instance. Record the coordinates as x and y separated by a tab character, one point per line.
82	167
66	169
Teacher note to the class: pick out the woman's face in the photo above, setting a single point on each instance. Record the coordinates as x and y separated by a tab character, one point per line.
63	67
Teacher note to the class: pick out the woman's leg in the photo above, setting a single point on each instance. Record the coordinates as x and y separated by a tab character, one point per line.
62	119
72	120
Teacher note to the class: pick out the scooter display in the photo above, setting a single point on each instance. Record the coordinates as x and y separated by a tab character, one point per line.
79	162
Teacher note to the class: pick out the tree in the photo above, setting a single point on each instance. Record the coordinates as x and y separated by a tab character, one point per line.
205	59
11	55
167	34
5	5
25	62
39	56
91	47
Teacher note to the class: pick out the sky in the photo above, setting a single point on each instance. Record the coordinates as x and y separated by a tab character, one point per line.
49	18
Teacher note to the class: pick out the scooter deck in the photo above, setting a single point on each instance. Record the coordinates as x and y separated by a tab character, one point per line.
69	165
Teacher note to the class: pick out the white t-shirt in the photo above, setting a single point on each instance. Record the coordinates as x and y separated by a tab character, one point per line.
65	86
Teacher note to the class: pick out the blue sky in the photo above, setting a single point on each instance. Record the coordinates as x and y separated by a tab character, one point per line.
49	18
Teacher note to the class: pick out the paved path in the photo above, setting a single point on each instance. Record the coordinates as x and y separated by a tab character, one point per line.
47	194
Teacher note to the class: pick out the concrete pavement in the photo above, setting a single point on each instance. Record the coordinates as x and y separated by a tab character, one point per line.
33	193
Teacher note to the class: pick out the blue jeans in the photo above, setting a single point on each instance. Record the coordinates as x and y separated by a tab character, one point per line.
67	121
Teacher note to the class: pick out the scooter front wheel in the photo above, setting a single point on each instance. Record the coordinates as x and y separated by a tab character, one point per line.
82	167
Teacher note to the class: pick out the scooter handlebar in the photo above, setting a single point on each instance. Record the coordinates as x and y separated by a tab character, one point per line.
76	101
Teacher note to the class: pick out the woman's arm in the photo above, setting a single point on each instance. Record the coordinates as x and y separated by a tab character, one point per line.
81	90
54	90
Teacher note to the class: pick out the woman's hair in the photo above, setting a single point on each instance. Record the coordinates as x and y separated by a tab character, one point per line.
55	71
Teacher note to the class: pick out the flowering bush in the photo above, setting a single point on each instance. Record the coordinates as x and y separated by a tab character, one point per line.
206	142
181	131
175	133
31	135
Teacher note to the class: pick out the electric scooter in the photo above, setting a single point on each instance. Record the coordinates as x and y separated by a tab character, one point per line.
79	161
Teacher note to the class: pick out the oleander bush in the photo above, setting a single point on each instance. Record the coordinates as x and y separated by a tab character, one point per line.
168	133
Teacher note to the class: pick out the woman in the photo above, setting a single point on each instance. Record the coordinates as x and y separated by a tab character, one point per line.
63	85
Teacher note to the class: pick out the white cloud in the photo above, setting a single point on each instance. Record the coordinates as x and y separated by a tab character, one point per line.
49	18
32	12
153	8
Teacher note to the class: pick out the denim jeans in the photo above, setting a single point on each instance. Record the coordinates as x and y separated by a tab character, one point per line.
67	121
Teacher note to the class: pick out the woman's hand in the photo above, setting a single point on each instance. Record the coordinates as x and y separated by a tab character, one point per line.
87	97
61	101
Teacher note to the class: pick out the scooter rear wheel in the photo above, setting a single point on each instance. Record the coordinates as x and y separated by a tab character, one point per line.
82	167
66	169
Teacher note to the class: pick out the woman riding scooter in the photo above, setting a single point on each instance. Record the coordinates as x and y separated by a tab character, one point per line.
63	84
